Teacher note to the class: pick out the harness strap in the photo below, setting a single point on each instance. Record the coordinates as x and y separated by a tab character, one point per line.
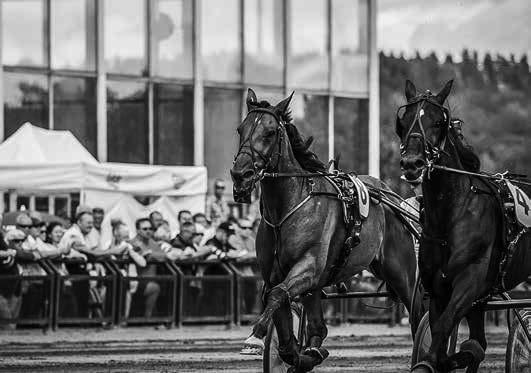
289	213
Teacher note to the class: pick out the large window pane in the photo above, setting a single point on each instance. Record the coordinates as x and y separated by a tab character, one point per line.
351	134
73	34
172	38
174	124
127	123
74	109
125	36
310	114
221	47
350	40
23	25
308	46
222	117
264	41
25	100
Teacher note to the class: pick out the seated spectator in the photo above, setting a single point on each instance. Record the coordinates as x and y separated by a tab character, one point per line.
145	245
184	216
10	289
98	214
243	239
184	246
156	219
208	230
162	236
83	238
120	248
219	244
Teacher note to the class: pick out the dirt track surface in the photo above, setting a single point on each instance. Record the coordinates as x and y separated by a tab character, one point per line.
379	349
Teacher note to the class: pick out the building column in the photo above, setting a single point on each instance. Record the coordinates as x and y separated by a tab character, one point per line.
101	84
1	86
199	144
374	95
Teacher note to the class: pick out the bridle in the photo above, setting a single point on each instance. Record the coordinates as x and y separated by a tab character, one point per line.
432	151
247	147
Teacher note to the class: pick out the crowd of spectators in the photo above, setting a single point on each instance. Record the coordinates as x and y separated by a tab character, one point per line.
77	249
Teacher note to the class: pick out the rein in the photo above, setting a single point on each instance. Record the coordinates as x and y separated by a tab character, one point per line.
498	176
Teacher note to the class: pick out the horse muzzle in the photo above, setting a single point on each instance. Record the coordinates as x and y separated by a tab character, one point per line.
242	195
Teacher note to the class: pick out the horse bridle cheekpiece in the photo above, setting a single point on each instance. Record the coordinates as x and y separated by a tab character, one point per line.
246	146
432	151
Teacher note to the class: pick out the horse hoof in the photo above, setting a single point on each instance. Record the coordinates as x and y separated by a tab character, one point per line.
473	347
469	356
423	367
319	354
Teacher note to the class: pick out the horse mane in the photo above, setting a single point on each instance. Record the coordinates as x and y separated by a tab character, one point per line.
467	156
300	146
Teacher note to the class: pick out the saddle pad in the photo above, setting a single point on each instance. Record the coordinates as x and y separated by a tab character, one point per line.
363	196
522	205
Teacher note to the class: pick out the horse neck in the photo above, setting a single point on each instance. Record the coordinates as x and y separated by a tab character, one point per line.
281	194
443	195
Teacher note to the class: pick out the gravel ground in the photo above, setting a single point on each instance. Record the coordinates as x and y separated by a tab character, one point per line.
353	348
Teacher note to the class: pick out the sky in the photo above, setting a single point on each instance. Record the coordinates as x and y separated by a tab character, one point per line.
496	26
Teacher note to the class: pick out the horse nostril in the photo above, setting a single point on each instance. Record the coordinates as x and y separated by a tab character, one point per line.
419	163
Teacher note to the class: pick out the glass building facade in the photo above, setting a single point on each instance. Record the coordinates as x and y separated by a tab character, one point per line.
164	81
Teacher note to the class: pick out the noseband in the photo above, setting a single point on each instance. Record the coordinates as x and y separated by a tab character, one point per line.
432	151
247	147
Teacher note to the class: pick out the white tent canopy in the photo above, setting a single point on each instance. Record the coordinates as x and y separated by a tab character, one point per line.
39	161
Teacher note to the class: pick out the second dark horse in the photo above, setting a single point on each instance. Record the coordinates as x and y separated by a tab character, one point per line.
462	240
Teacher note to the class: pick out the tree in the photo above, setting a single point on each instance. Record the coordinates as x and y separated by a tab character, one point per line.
490	72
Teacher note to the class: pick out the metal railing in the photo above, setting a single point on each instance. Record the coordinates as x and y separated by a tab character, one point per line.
29	293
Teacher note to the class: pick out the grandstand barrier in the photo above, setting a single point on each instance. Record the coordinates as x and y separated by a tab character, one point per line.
135	291
30	292
207	292
85	292
248	284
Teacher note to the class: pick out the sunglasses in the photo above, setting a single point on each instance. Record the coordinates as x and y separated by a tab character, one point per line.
17	240
245	227
146	229
24	226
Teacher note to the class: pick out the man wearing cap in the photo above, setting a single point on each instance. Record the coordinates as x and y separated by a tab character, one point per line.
217	208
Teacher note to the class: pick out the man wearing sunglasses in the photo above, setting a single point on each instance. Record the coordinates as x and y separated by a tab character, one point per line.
145	245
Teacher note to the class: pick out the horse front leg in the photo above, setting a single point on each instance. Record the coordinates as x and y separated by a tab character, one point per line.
466	289
302	278
316	328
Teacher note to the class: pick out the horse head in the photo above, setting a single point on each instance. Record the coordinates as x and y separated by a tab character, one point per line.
422	125
260	144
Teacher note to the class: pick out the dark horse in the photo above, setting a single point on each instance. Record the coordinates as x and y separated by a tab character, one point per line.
301	235
462	241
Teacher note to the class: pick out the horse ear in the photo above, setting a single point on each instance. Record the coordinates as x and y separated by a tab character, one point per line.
251	98
411	90
283	105
443	94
